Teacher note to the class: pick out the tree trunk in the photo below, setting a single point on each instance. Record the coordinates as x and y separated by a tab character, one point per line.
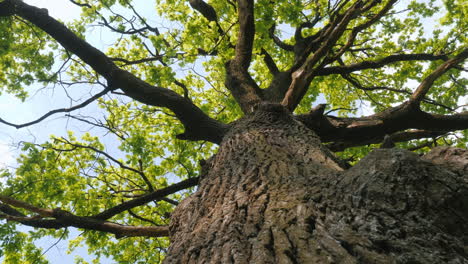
274	194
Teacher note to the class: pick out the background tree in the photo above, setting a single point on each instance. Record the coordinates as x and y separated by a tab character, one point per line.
238	80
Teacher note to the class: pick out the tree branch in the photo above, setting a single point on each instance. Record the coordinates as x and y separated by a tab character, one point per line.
62	218
355	31
154	196
270	63
61	110
427	83
205	9
278	41
396	137
238	80
365	65
356	84
302	77
246	33
347	132
198	125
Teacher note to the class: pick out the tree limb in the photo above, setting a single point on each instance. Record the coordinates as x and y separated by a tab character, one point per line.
270	63
61	110
62	218
396	137
205	9
355	31
302	77
198	125
358	131
278	41
238	80
154	196
365	65
427	83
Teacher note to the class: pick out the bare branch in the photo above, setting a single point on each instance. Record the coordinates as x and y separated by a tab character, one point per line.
154	196
238	80
427	83
358	131
270	63
278	41
61	110
364	65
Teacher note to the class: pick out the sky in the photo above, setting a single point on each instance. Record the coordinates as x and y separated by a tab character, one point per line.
39	103
13	110
42	100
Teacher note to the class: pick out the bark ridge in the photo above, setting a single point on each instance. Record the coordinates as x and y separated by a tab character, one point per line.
274	194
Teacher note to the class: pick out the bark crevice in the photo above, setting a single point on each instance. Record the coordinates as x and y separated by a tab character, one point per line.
274	194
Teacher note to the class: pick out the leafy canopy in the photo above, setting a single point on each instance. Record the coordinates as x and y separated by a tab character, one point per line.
181	46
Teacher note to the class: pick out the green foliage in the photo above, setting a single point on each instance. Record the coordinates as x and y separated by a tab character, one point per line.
18	247
76	174
26	56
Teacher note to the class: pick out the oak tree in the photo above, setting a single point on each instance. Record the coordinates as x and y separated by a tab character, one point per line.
243	131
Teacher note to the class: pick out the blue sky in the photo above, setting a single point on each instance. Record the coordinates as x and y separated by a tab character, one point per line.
40	102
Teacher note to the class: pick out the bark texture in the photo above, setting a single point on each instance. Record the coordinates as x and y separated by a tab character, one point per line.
274	194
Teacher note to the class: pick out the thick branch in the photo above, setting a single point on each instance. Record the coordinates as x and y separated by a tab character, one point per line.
396	137
154	196
246	33
238	80
205	9
365	65
304	75
13	202
270	63
65	219
198	125
347	132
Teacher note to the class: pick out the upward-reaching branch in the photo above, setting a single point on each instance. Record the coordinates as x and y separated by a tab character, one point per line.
198	125
318	53
302	77
427	83
246	33
238	81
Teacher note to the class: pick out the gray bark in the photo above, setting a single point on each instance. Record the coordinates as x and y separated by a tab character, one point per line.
274	194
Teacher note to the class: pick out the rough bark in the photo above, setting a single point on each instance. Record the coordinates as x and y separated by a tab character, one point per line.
274	194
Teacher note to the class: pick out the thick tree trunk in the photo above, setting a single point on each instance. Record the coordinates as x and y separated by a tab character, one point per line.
274	194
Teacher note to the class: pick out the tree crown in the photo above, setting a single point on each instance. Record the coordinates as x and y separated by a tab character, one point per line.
172	76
